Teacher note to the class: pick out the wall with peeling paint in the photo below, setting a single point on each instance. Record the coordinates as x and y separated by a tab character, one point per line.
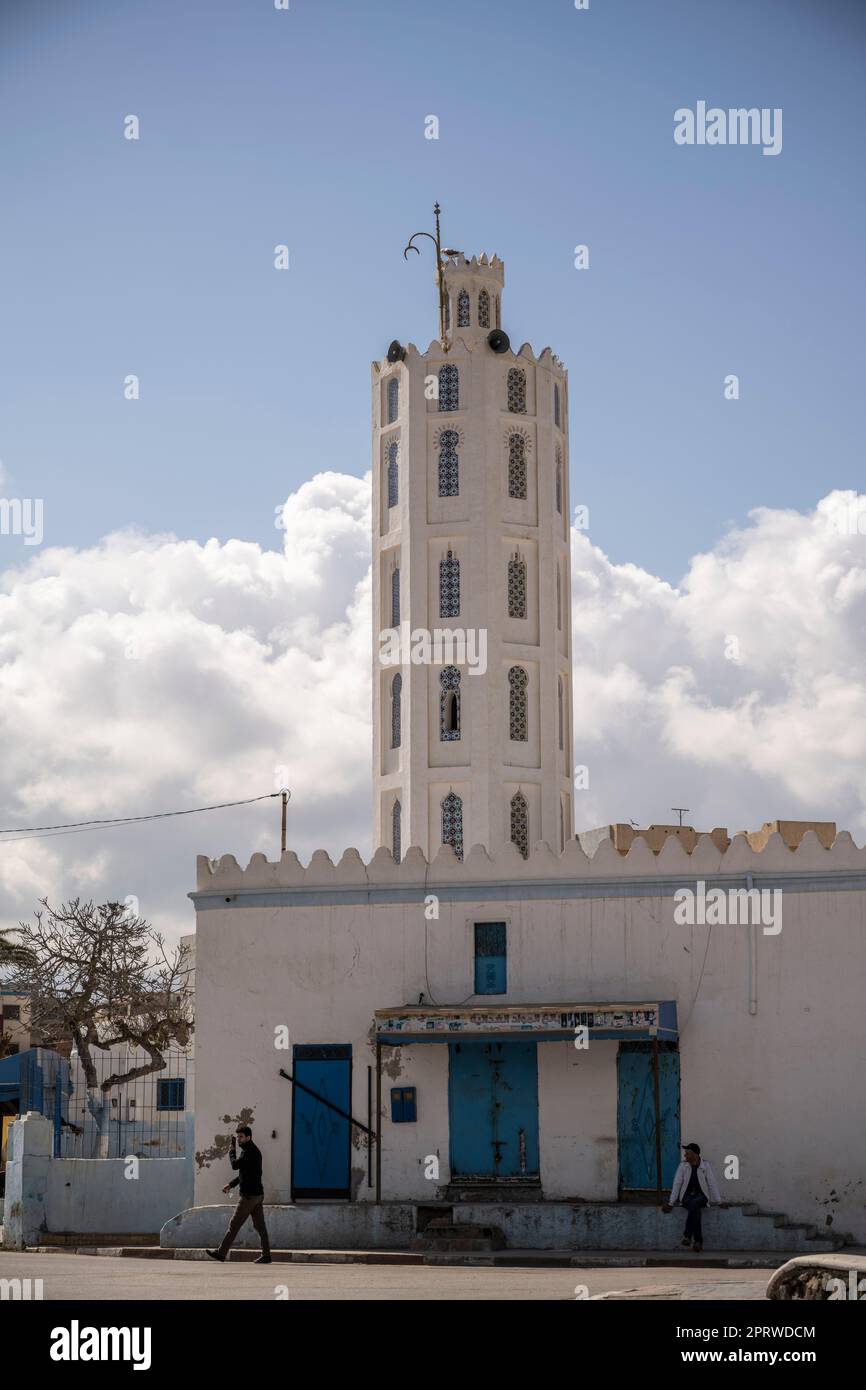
319	949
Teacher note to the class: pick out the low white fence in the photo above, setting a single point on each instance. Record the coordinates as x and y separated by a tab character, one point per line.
48	1196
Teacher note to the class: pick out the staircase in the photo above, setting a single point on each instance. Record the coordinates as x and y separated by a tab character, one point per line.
473	1221
442	1234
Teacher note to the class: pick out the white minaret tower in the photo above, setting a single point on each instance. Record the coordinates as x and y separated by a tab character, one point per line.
471	741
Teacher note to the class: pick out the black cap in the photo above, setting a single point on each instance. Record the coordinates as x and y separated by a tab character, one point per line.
695	1148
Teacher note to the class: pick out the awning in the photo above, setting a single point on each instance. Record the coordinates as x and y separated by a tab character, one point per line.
539	1022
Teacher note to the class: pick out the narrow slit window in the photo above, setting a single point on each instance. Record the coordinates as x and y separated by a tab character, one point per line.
452	823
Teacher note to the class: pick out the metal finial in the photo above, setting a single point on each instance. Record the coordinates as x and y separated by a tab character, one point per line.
440	278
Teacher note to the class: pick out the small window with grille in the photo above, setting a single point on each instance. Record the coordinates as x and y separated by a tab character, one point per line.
491	973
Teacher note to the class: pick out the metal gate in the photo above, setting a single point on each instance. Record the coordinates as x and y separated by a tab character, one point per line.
641	1142
493	1109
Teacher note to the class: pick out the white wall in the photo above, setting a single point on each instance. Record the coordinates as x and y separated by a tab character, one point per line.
89	1196
782	1089
46	1195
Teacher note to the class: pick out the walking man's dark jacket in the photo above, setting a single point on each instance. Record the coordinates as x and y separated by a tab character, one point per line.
248	1164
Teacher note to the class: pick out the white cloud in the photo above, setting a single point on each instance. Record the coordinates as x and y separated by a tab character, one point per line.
664	716
150	673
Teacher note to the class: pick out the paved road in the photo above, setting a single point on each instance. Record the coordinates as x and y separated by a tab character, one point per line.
93	1277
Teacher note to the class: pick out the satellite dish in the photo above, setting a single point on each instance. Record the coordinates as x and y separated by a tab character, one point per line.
396	352
498	341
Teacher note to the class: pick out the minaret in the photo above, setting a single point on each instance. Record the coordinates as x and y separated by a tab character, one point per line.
471	743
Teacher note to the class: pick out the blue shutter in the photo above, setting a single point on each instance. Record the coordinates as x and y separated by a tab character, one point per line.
490	958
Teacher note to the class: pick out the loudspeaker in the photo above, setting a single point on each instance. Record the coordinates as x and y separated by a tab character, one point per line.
498	341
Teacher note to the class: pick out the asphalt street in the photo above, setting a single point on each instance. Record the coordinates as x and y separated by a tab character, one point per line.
82	1278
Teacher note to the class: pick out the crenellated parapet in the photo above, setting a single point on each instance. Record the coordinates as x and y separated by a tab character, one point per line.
606	865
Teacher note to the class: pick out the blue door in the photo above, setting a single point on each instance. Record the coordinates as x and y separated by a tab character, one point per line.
636	1115
320	1136
493	1109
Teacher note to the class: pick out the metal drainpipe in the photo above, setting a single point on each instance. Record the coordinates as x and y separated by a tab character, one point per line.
753	954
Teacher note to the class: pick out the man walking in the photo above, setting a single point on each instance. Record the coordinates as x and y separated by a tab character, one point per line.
696	1187
252	1195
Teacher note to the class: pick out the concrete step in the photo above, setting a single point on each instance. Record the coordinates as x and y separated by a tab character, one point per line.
548	1225
443	1234
495	1194
112	1238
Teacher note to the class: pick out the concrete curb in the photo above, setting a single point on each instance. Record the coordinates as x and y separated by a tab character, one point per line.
501	1259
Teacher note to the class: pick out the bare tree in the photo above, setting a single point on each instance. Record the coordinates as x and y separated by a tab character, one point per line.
103	976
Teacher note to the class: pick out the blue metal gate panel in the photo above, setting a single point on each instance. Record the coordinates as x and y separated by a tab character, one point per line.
320	1137
636	1118
493	1109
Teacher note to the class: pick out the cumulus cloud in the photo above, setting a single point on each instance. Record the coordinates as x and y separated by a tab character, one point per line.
150	673
740	694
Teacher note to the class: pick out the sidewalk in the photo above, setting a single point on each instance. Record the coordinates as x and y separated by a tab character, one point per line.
499	1259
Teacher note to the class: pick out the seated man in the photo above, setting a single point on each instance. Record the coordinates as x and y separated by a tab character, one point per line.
696	1187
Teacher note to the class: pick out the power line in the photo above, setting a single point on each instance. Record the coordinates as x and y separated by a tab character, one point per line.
77	827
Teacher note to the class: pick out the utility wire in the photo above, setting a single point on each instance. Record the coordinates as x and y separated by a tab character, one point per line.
73	827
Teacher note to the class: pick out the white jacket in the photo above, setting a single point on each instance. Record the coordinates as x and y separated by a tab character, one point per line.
706	1178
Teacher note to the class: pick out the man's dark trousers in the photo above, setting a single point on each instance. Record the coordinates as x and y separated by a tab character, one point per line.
694	1207
252	1207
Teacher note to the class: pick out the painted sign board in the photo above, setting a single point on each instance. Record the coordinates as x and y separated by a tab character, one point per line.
544	1021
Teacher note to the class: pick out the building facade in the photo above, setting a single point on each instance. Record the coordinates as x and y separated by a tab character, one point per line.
494	1006
758	1030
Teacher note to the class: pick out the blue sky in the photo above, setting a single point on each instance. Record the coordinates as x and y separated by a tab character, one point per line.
306	127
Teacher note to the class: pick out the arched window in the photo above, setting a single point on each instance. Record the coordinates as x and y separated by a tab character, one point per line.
518	680
517	466
520	823
449	586
516	586
396	709
558	599
452	823
483	309
395	597
556	405
517	390
463	309
392	474
449	704
449	386
396	827
559	482
498	324
393	399
560	713
449	464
